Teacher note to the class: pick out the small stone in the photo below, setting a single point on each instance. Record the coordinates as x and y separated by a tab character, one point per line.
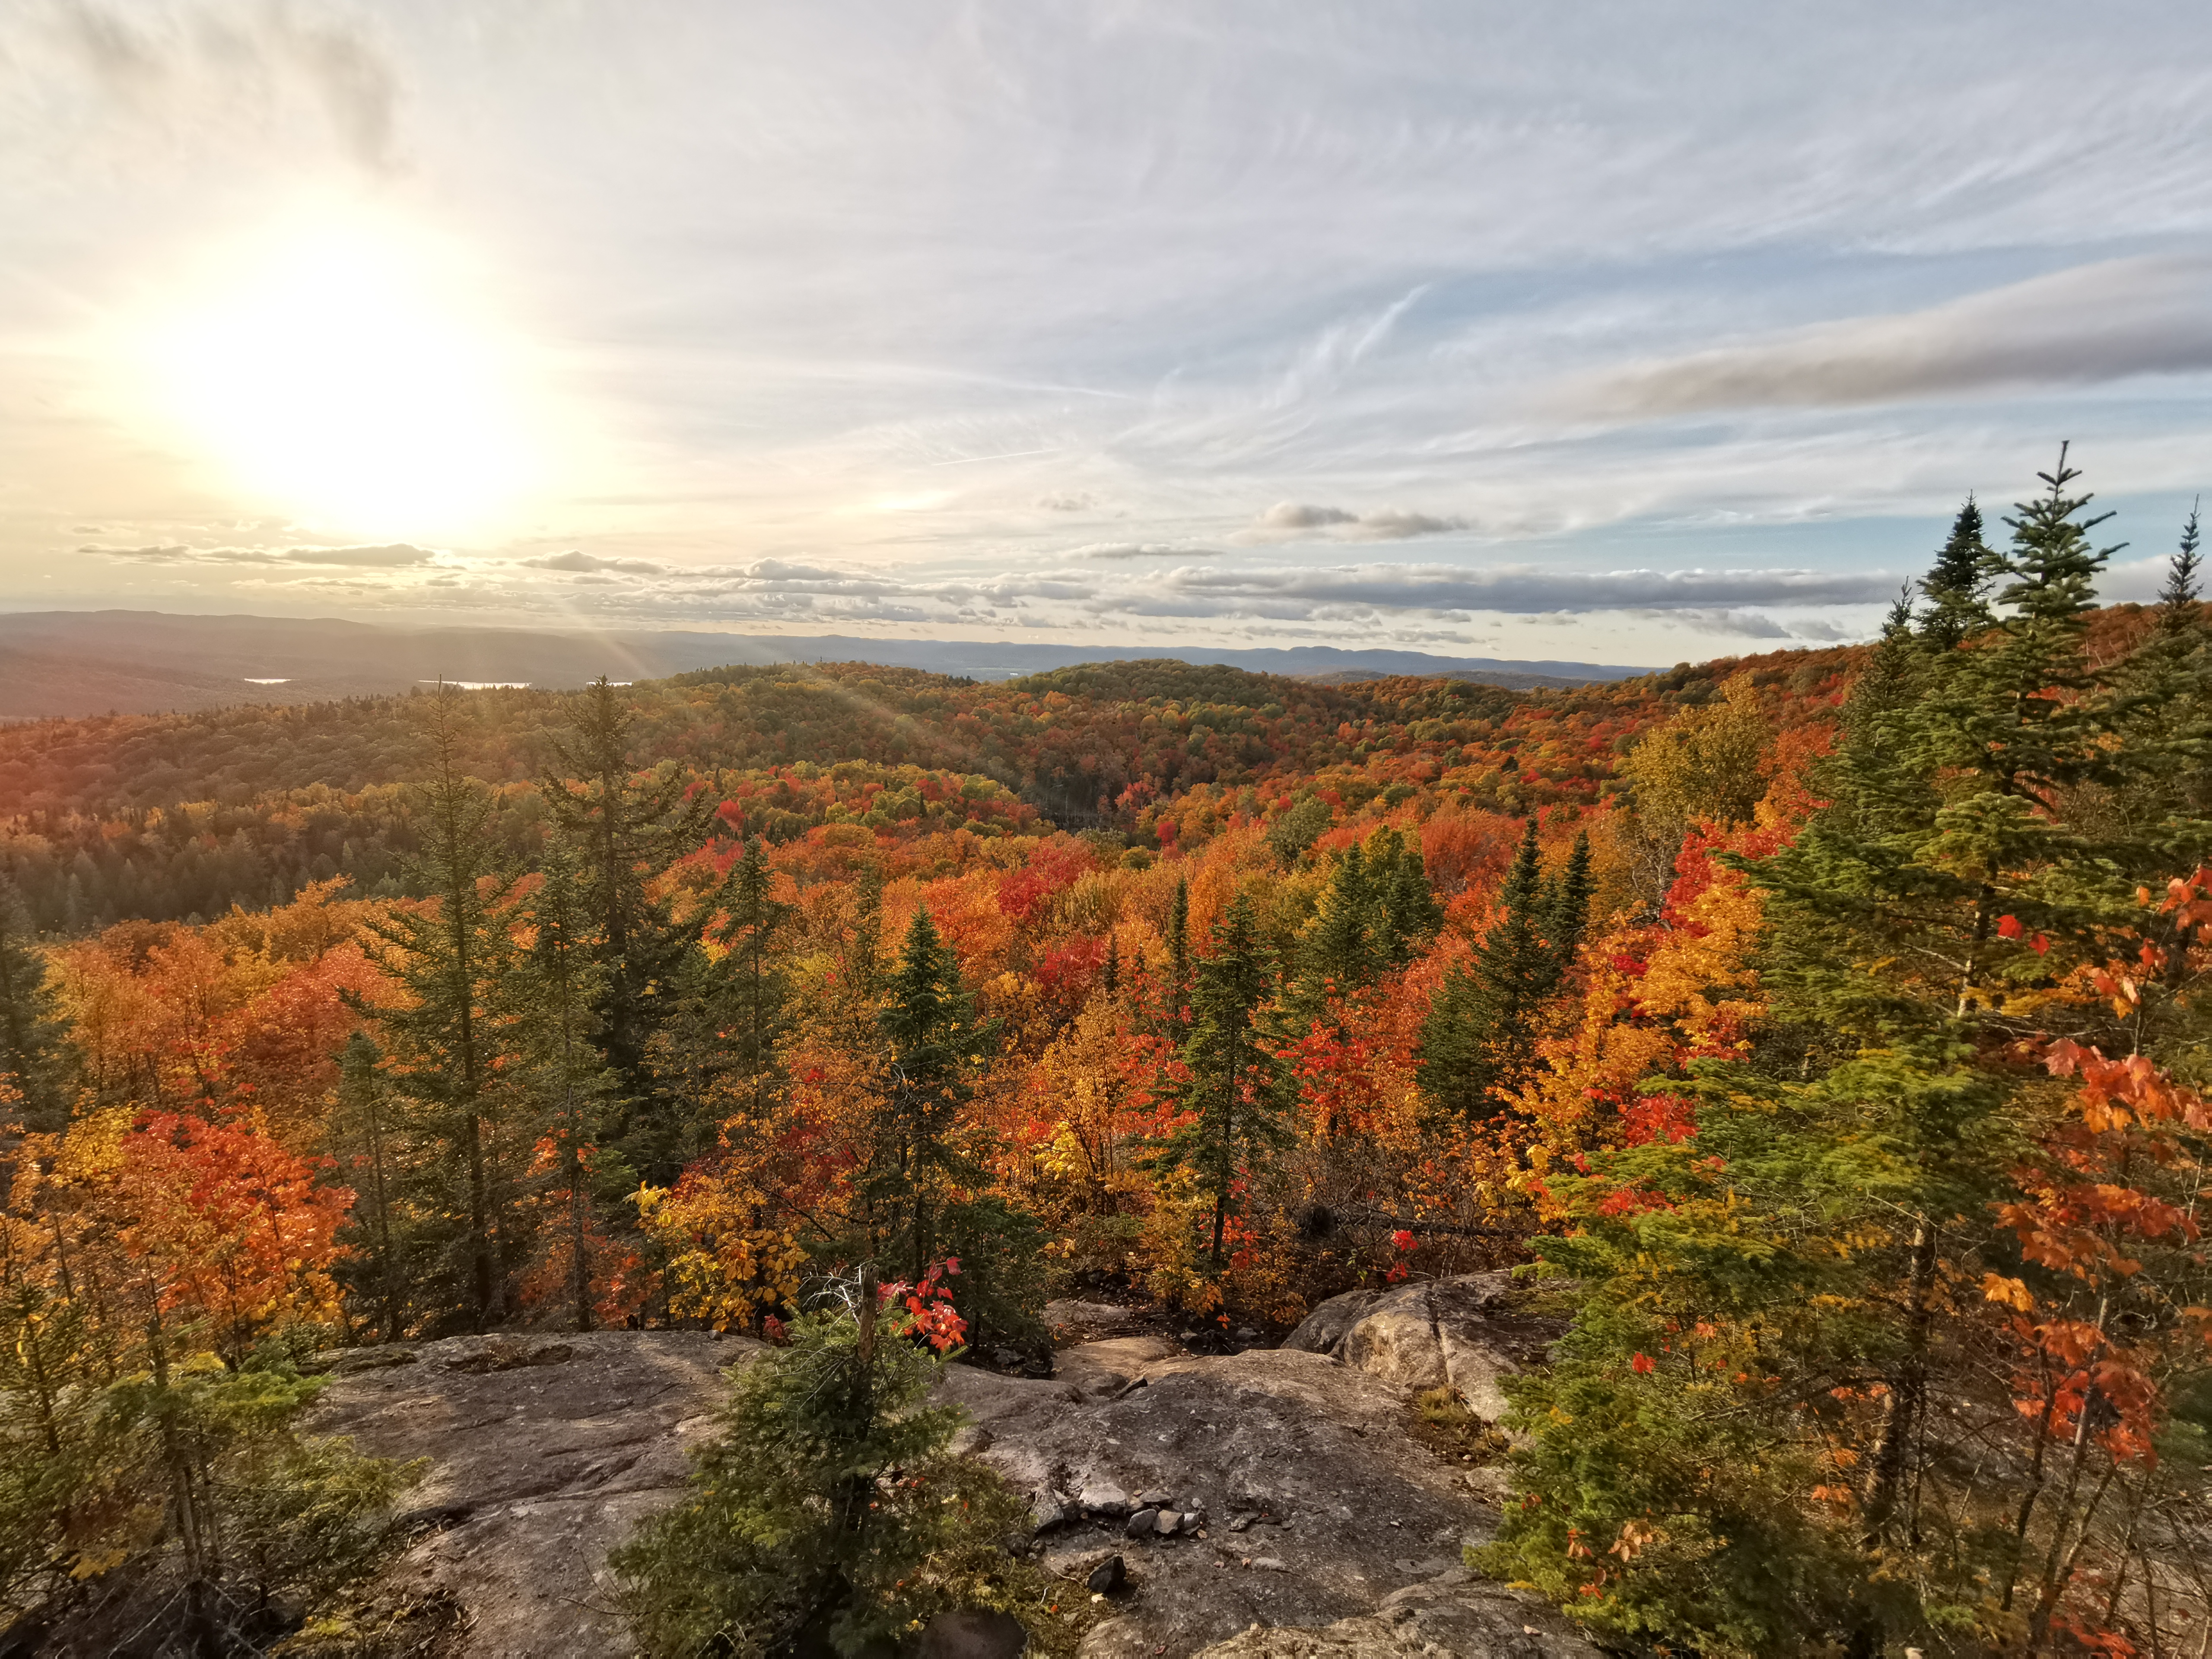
1238	1523
1046	1516
1269	1564
1107	1577
1104	1498
1156	1498
1169	1523
1246	1334
1009	1359
1144	1522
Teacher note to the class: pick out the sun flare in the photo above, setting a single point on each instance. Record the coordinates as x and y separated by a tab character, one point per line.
343	377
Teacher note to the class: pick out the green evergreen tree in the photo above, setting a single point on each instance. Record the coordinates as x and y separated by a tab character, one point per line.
828	1515
1957	584
1565	909
927	1147
1178	987
363	1131
1480	1038
556	989
1411	916
1377	912
1780	1279
35	1053
623	830
718	1052
451	1032
1233	1091
1341	948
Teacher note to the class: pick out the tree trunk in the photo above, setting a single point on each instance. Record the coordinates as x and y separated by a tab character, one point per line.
1908	1391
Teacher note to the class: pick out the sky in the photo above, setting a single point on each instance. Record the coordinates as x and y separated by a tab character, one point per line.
1629	333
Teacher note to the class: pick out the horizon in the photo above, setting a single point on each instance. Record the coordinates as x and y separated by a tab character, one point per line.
1461	331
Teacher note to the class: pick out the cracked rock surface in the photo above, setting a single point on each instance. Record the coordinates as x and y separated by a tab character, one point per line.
1300	1502
1313	1504
545	1451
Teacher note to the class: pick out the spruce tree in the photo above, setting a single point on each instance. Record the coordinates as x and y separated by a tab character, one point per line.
363	1129
451	1032
556	984
1769	1305
1232	1094
732	1010
1480	1038
827	1515
1565	915
1411	914
623	830
34	1053
1956	584
935	1043
1178	987
1341	947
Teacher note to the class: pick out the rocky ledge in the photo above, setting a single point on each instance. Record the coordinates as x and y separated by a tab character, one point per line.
1262	1505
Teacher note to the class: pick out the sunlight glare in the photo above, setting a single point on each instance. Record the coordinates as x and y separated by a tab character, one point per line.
335	376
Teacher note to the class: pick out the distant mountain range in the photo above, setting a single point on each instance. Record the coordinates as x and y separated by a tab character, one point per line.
96	662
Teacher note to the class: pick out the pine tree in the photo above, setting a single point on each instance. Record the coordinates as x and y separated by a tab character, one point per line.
1566	910
363	1129
1341	949
929	1022
35	1053
1772	1420
623	831
557	985
1411	914
827	1515
1956	584
449	1034
1233	1094
732	1009
1480	1038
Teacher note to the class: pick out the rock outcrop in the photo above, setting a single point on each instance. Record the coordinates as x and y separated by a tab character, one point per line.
1465	1333
543	1454
1299	1497
1276	1487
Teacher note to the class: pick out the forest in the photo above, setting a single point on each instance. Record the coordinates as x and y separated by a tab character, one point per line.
1821	1035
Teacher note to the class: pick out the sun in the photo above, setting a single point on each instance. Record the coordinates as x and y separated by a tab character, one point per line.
343	376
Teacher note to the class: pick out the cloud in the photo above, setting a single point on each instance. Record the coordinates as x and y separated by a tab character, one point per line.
1132	551
1291	521
1075	501
211	58
1291	515
1066	595
396	556
2095	323
1524	589
592	562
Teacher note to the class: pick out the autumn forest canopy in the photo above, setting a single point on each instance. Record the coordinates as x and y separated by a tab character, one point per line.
1821	1034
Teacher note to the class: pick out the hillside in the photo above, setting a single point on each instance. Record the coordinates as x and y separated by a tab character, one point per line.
73	663
171	815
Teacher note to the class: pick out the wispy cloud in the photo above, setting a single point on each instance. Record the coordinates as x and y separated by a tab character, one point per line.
1296	521
592	562
398	555
210	62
